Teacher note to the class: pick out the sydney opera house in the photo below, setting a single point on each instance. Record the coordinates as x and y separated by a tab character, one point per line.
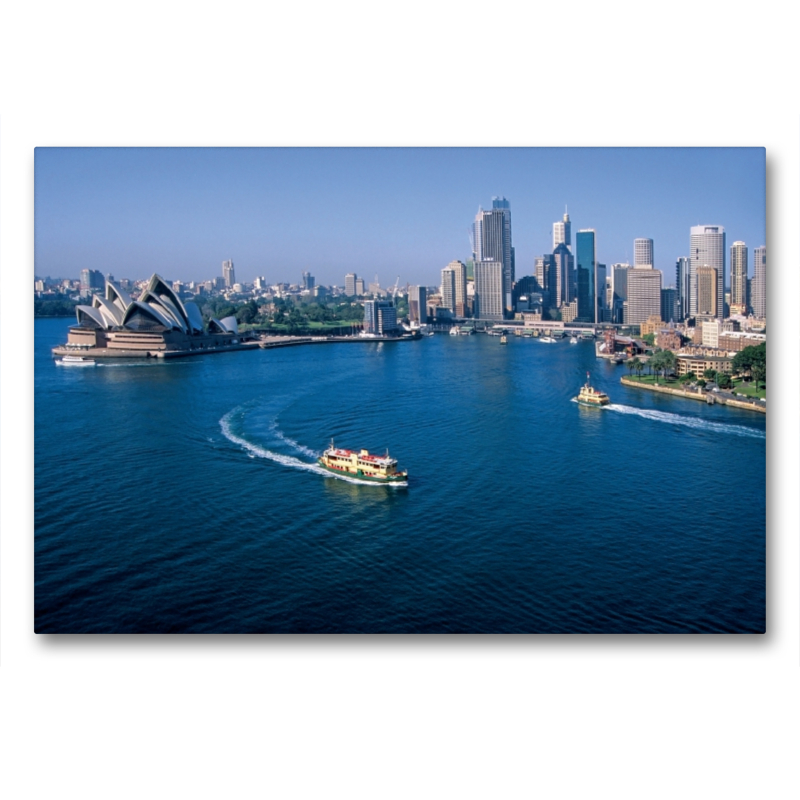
157	324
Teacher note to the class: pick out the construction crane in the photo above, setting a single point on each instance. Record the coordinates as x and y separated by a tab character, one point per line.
396	283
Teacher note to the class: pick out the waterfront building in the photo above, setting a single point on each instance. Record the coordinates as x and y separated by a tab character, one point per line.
569	311
228	274
586	260
454	296
707	244
644	294
759	290
380	317
738	302
449	289
350	284
643	253
489	289
707	295
734	341
698	364
562	232
682	272
159	321
417	305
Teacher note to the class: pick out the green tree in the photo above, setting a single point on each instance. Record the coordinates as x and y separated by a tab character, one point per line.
710	375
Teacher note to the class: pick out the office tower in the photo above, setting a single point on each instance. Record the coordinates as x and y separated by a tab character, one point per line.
562	290
308	281
669	305
682	287
489	289
619	290
644	295
586	260
359	286
707	295
759	285
459	270
449	289
380	317
707	250
601	292
417	308
539	273
350	284
228	275
92	279
643	253
562	232
738	278
491	234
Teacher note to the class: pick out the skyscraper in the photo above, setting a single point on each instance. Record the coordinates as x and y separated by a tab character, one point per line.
563	288
491	236
707	244
489	289
738	278
308	281
682	287
449	289
759	287
350	284
619	290
586	259
707	299
228	275
643	253
562	232
417	304
644	295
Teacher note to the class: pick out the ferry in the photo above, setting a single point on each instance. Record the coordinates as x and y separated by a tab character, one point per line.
547	339
76	361
504	339
589	396
573	340
362	465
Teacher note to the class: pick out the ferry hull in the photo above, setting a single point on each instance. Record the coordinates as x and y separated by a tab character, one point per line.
359	475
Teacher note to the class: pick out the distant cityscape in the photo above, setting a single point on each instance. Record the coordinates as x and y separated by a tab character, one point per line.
707	304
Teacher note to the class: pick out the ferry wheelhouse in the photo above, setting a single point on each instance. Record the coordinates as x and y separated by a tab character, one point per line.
362	465
589	396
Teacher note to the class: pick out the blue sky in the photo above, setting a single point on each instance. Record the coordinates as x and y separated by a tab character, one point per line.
396	212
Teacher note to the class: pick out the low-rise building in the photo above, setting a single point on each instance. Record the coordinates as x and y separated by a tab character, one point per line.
697	364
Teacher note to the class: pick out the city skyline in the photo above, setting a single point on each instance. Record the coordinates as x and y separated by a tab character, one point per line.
407	212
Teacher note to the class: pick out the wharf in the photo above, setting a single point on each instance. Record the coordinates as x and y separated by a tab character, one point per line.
722	398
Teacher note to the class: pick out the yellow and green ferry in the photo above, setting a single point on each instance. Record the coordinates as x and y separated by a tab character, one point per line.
589	396
362	465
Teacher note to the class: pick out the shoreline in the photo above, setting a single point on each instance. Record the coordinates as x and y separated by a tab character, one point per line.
699	395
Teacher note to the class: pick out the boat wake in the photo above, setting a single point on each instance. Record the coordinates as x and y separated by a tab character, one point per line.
259	451
688	422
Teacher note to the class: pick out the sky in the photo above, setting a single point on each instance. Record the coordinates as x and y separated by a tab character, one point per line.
396	212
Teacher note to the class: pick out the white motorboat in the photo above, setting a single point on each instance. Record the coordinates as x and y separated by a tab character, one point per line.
76	361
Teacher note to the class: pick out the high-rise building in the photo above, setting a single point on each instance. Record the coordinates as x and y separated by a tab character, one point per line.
228	274
562	232
586	260
601	293
759	285
417	308
563	284
359	286
380	317
449	289
643	253
91	279
308	281
489	289
619	291
682	287
707	244
491	235
738	278
707	297
350	284
669	305
644	295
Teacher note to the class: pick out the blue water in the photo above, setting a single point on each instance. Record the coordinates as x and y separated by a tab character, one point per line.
183	496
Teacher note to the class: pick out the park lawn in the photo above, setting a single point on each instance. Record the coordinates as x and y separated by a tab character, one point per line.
749	389
652	379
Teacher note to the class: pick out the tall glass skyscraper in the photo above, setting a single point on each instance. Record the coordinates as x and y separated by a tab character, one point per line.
586	261
643	253
491	236
682	287
707	244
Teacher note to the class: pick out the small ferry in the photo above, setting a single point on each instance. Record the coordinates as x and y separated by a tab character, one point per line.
362	465
547	339
76	361
573	340
504	339
589	396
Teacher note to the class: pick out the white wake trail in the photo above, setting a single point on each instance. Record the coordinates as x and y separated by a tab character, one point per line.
688	422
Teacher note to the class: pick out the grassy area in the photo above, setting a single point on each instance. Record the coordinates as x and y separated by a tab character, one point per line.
749	389
671	381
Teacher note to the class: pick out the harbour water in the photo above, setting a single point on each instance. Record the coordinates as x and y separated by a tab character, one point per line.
183	496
